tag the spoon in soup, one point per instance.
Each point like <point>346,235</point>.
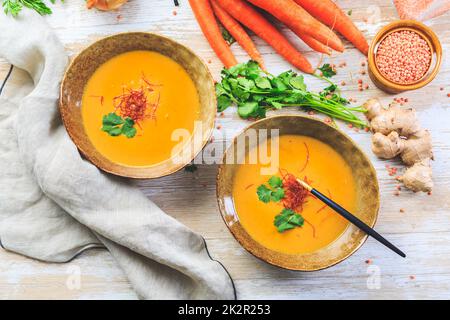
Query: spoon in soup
<point>350,217</point>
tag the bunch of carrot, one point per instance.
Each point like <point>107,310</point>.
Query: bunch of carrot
<point>310,20</point>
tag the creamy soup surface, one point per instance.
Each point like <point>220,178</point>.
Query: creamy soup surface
<point>174,93</point>
<point>326,171</point>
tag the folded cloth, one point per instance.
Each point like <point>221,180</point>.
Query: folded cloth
<point>54,204</point>
<point>421,9</point>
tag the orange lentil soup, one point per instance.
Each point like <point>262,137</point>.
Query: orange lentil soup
<point>173,103</point>
<point>325,170</point>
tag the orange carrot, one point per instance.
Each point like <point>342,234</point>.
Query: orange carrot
<point>313,43</point>
<point>295,17</point>
<point>208,23</point>
<point>329,13</point>
<point>253,20</point>
<point>238,32</point>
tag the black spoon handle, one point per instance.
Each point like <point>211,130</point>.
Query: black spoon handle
<point>350,217</point>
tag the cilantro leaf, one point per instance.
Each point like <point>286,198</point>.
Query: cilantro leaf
<point>115,125</point>
<point>247,109</point>
<point>263,83</point>
<point>275,182</point>
<point>327,70</point>
<point>287,220</point>
<point>112,119</point>
<point>128,128</point>
<point>277,195</point>
<point>264,193</point>
<point>298,83</point>
<point>223,102</point>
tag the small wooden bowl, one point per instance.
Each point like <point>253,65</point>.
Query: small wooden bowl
<point>85,64</point>
<point>366,187</point>
<point>427,34</point>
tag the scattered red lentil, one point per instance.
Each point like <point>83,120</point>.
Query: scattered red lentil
<point>441,88</point>
<point>396,193</point>
<point>448,95</point>
<point>343,83</point>
<point>174,13</point>
<point>368,261</point>
<point>402,210</point>
<point>219,127</point>
<point>403,57</point>
<point>366,129</point>
<point>412,277</point>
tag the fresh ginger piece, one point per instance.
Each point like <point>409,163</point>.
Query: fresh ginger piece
<point>397,132</point>
<point>387,147</point>
<point>418,177</point>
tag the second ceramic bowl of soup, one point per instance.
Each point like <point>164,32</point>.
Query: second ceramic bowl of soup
<point>311,150</point>
<point>134,102</point>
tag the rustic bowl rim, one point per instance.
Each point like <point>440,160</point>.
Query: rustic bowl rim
<point>423,30</point>
<point>364,238</point>
<point>100,164</point>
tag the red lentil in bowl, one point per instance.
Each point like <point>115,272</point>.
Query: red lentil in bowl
<point>404,55</point>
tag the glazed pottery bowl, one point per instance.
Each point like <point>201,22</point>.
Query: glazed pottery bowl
<point>366,190</point>
<point>86,63</point>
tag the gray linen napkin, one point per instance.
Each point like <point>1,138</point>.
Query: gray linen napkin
<point>54,204</point>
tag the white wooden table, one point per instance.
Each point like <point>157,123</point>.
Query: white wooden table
<point>422,231</point>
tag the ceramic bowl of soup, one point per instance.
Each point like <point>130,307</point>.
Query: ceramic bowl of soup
<point>284,229</point>
<point>138,104</point>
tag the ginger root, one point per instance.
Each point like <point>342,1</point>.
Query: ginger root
<point>105,5</point>
<point>397,132</point>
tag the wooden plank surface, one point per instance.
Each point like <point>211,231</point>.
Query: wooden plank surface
<point>422,231</point>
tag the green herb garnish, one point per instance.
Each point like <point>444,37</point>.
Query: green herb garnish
<point>287,220</point>
<point>13,7</point>
<point>349,12</point>
<point>273,192</point>
<point>115,125</point>
<point>255,91</point>
<point>327,70</point>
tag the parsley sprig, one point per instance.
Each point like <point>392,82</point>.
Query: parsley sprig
<point>255,91</point>
<point>14,7</point>
<point>115,125</point>
<point>287,219</point>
